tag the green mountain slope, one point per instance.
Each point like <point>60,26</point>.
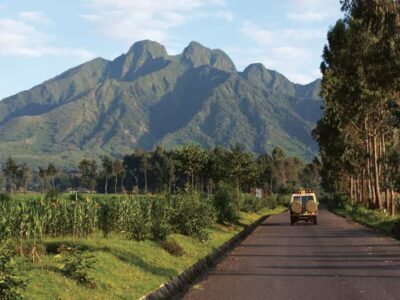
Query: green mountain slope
<point>146,97</point>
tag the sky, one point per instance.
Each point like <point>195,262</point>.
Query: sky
<point>40,39</point>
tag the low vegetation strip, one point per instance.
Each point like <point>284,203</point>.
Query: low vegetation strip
<point>380,221</point>
<point>122,247</point>
<point>124,268</point>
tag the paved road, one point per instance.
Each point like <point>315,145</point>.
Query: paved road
<point>333,260</point>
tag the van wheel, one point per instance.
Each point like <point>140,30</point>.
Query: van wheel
<point>292,221</point>
<point>315,220</point>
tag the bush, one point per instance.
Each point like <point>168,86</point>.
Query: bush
<point>173,248</point>
<point>160,227</point>
<point>139,221</point>
<point>191,215</point>
<point>225,204</point>
<point>11,285</point>
<point>77,265</point>
<point>250,203</point>
<point>283,200</point>
<point>341,199</point>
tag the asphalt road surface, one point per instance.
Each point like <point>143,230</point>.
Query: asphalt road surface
<point>335,259</point>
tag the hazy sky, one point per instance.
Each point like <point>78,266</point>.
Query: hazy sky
<point>42,38</point>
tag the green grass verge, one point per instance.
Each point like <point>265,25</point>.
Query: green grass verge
<point>124,269</point>
<point>370,218</point>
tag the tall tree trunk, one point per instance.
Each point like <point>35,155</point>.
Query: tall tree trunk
<point>145,181</point>
<point>369,184</point>
<point>363,187</point>
<point>238,196</point>
<point>385,172</point>
<point>115,184</point>
<point>352,190</point>
<point>378,201</point>
<point>106,185</point>
<point>392,201</point>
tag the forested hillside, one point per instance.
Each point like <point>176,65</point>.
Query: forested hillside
<point>147,97</point>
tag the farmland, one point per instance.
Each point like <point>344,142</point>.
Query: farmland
<point>126,239</point>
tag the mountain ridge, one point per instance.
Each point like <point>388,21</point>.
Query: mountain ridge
<point>146,97</point>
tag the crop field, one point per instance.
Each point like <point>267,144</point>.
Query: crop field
<point>112,246</point>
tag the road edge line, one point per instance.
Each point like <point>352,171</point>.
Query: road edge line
<point>180,283</point>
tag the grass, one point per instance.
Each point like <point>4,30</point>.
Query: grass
<point>370,218</point>
<point>124,269</point>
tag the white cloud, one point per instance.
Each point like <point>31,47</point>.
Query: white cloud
<point>34,17</point>
<point>21,37</point>
<point>308,16</point>
<point>136,20</point>
<point>287,50</point>
<point>306,11</point>
<point>268,36</point>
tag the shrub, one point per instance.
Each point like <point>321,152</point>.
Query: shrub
<point>250,203</point>
<point>191,214</point>
<point>160,227</point>
<point>281,199</point>
<point>139,220</point>
<point>225,204</point>
<point>173,248</point>
<point>11,285</point>
<point>77,265</point>
<point>340,200</point>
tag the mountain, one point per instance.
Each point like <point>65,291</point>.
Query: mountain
<point>147,97</point>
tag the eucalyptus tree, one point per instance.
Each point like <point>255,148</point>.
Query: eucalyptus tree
<point>93,174</point>
<point>361,78</point>
<point>144,167</point>
<point>191,158</point>
<point>24,175</point>
<point>10,172</point>
<point>85,173</point>
<point>43,176</point>
<point>241,170</point>
<point>162,169</point>
<point>52,172</point>
<point>107,171</point>
<point>118,171</point>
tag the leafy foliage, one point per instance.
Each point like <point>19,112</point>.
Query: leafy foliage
<point>358,133</point>
<point>11,285</point>
<point>225,204</point>
<point>77,265</point>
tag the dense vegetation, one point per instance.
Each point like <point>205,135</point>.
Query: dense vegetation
<point>146,98</point>
<point>55,229</point>
<point>169,171</point>
<point>155,195</point>
<point>359,132</point>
